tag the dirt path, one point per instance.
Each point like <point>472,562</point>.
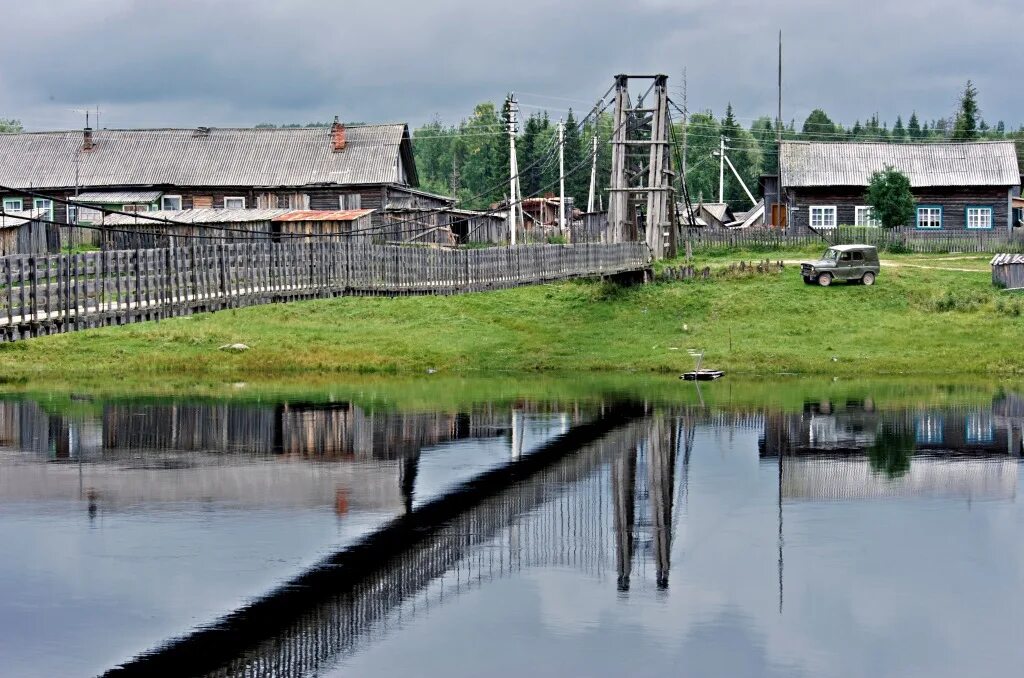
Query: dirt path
<point>904,264</point>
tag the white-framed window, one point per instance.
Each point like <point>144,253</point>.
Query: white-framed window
<point>72,214</point>
<point>350,202</point>
<point>13,204</point>
<point>928,429</point>
<point>234,203</point>
<point>135,208</point>
<point>979,428</point>
<point>88,215</point>
<point>823,216</point>
<point>979,217</point>
<point>929,217</point>
<point>170,202</point>
<point>44,204</point>
<point>864,215</point>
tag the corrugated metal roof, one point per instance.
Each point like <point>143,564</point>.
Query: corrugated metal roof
<point>196,216</point>
<point>17,218</point>
<point>322,215</point>
<point>222,157</point>
<point>118,197</point>
<point>985,163</point>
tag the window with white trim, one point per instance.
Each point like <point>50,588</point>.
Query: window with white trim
<point>928,429</point>
<point>88,215</point>
<point>822,216</point>
<point>929,217</point>
<point>864,215</point>
<point>979,217</point>
<point>170,202</point>
<point>44,204</point>
<point>72,214</point>
<point>13,205</point>
<point>234,203</point>
<point>135,208</point>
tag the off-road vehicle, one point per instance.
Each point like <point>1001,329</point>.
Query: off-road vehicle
<point>852,263</point>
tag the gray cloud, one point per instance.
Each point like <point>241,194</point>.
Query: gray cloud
<point>238,63</point>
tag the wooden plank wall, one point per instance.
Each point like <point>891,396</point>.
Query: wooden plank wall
<point>903,239</point>
<point>48,294</point>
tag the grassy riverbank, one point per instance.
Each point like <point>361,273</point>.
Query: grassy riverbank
<point>922,317</point>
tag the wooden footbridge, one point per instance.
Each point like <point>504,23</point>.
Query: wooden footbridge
<point>66,292</point>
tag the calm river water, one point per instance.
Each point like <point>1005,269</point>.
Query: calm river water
<point>738,530</point>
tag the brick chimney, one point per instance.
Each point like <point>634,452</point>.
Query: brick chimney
<point>337,136</point>
<point>87,142</point>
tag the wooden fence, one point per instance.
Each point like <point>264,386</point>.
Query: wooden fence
<point>898,240</point>
<point>48,294</point>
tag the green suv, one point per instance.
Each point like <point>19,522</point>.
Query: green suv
<point>853,263</point>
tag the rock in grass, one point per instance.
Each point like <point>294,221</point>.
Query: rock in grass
<point>234,348</point>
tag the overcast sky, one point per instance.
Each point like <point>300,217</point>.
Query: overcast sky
<point>242,62</point>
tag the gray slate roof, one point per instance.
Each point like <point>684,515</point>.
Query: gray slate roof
<point>118,197</point>
<point>221,157</point>
<point>1007,259</point>
<point>983,163</point>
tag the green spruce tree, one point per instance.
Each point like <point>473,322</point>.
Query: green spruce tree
<point>965,128</point>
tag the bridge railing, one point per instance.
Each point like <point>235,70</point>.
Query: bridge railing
<point>44,294</point>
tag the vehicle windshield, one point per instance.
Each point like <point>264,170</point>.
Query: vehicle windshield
<point>830,255</point>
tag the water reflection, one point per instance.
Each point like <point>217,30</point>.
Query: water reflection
<point>851,451</point>
<point>595,496</point>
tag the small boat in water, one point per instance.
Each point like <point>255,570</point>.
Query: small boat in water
<point>698,374</point>
<point>702,375</point>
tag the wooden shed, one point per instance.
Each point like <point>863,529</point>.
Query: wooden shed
<point>1008,271</point>
<point>20,234</point>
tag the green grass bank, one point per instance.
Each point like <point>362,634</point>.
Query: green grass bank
<point>927,315</point>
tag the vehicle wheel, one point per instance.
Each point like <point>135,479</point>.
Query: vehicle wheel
<point>825,279</point>
<point>868,279</point>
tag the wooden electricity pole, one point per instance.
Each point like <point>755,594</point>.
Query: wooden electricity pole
<point>593,176</point>
<point>515,195</point>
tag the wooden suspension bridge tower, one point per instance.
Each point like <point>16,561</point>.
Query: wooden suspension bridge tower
<point>641,201</point>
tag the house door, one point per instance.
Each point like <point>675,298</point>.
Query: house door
<point>779,215</point>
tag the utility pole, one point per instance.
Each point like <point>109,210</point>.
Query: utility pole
<point>778,135</point>
<point>593,176</point>
<point>721,169</point>
<point>514,202</point>
<point>456,181</point>
<point>561,177</point>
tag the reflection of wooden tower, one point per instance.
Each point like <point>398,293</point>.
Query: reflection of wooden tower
<point>640,195</point>
<point>643,482</point>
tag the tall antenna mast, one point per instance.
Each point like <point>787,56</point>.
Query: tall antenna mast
<point>686,125</point>
<point>778,135</point>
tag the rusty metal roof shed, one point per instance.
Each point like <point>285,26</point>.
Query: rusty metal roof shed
<point>824,164</point>
<point>322,215</point>
<point>259,157</point>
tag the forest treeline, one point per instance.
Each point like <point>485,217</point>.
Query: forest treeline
<point>471,159</point>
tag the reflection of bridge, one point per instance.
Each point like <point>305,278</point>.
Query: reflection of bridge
<point>547,508</point>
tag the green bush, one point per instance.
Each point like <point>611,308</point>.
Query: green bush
<point>960,301</point>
